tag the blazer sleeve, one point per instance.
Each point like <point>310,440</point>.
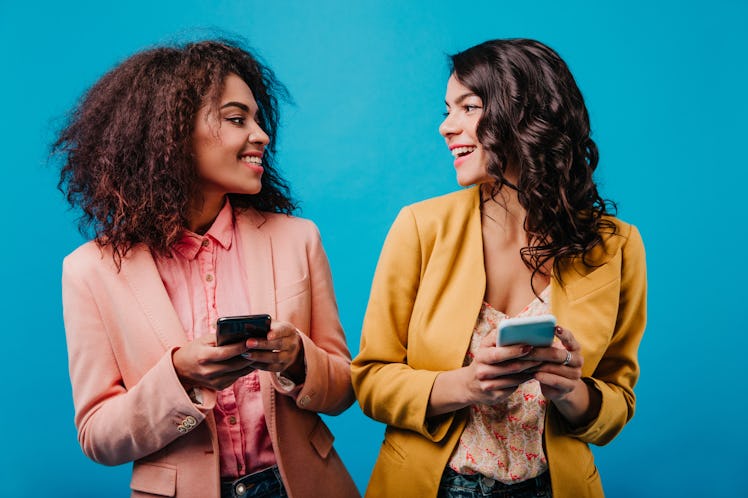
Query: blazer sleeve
<point>388,389</point>
<point>327,387</point>
<point>118,424</point>
<point>618,369</point>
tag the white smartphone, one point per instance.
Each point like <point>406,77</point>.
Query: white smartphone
<point>533,330</point>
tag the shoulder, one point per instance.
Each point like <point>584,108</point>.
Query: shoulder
<point>624,234</point>
<point>441,214</point>
<point>618,237</point>
<point>86,257</point>
<point>449,221</point>
<point>460,202</point>
<point>96,261</point>
<point>278,224</point>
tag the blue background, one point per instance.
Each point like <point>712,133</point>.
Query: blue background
<point>666,88</point>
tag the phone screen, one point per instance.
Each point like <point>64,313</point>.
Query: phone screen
<point>231,329</point>
<point>535,331</point>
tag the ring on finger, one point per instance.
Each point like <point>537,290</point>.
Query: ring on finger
<point>568,358</point>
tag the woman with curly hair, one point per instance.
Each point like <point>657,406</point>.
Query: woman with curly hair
<point>532,236</point>
<point>170,156</point>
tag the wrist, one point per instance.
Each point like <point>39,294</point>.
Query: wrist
<point>580,405</point>
<point>187,383</point>
<point>296,371</point>
<point>466,386</point>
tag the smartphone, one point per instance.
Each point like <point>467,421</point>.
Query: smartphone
<point>232,329</point>
<point>532,330</point>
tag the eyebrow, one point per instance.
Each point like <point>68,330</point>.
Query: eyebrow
<point>241,106</point>
<point>461,98</point>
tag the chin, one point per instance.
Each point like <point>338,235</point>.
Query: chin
<point>251,190</point>
<point>464,181</point>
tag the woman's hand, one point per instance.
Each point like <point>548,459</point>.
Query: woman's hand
<point>203,364</point>
<point>496,371</point>
<point>281,351</point>
<point>560,377</point>
<point>494,374</point>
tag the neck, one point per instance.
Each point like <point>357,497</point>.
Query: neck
<point>204,213</point>
<point>503,207</point>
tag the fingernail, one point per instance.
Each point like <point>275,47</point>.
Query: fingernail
<point>526,349</point>
<point>558,330</point>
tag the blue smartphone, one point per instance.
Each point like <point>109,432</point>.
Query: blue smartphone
<point>533,330</point>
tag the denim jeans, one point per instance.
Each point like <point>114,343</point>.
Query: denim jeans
<point>263,484</point>
<point>454,485</point>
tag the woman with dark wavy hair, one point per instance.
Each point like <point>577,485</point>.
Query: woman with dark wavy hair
<point>532,236</point>
<point>170,158</point>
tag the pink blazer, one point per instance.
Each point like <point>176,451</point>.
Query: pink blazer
<point>129,405</point>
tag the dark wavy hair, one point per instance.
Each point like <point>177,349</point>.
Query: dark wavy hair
<point>535,121</point>
<point>127,146</point>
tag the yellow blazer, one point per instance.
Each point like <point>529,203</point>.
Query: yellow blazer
<point>426,295</point>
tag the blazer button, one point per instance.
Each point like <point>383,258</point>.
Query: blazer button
<point>305,400</point>
<point>190,421</point>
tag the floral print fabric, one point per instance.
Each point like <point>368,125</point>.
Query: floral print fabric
<point>504,441</point>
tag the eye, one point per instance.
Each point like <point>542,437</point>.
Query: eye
<point>470,108</point>
<point>237,120</point>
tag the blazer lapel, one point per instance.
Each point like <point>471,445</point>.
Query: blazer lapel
<point>257,247</point>
<point>141,273</point>
<point>586,302</point>
<point>258,257</point>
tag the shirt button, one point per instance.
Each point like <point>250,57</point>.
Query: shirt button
<point>232,420</point>
<point>209,277</point>
<point>205,243</point>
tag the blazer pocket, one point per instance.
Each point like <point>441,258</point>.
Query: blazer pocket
<point>287,291</point>
<point>321,439</point>
<point>158,479</point>
<point>392,451</point>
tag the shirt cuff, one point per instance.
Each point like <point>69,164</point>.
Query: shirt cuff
<point>285,384</point>
<point>196,395</point>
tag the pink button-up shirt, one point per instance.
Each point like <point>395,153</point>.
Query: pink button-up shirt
<point>206,278</point>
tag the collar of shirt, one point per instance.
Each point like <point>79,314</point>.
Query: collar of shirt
<point>221,231</point>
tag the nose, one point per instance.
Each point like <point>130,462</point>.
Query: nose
<point>257,135</point>
<point>449,126</point>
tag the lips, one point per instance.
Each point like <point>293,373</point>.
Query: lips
<point>253,159</point>
<point>462,150</point>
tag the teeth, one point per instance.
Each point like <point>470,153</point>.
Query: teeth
<point>461,151</point>
<point>252,159</point>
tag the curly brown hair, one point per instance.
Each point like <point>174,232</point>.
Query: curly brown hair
<point>127,153</point>
<point>534,119</point>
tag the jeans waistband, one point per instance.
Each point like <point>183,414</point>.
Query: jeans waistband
<point>483,484</point>
<point>249,485</point>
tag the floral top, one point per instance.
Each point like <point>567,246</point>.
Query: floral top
<point>504,441</point>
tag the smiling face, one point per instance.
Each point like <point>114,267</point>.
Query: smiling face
<point>228,144</point>
<point>459,129</point>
